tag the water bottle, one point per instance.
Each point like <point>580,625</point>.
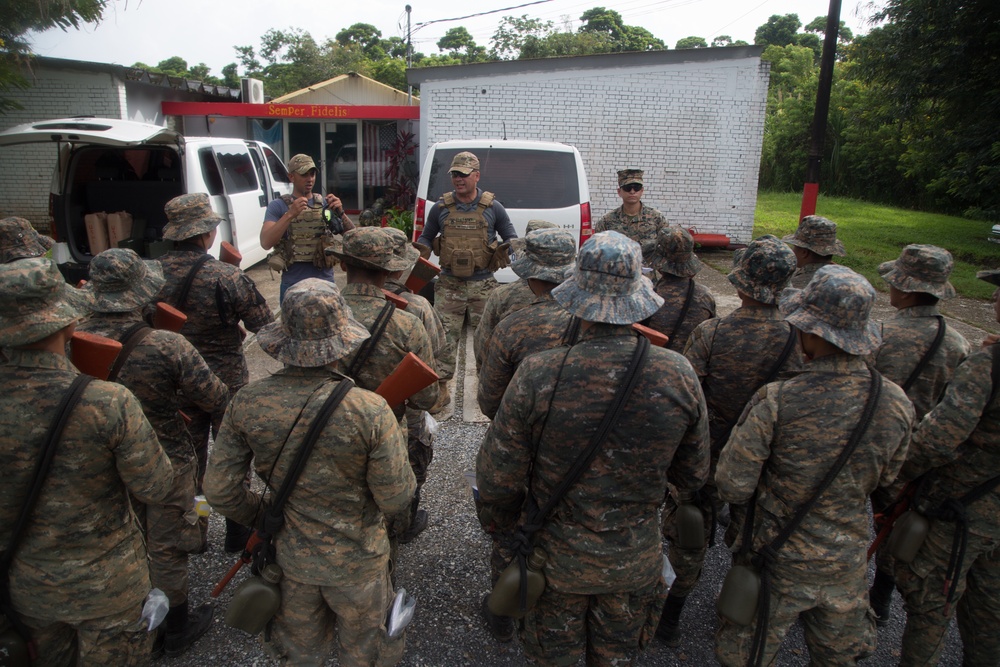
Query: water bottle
<point>739,595</point>
<point>908,535</point>
<point>255,601</point>
<point>690,527</point>
<point>505,600</point>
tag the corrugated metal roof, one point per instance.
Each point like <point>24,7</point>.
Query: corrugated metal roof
<point>351,88</point>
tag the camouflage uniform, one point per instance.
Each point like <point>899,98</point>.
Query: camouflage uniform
<point>333,547</point>
<point>159,369</point>
<point>819,235</point>
<point>956,442</point>
<point>79,577</point>
<point>674,258</point>
<point>604,583</point>
<point>642,227</point>
<point>786,442</point>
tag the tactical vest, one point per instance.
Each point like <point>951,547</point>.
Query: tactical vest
<point>463,245</point>
<point>307,237</point>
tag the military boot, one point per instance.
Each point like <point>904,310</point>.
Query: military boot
<point>184,629</point>
<point>880,597</point>
<point>669,629</point>
<point>418,521</point>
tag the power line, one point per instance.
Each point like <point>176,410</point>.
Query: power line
<point>470,16</point>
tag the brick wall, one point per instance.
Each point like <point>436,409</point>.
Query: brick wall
<point>695,127</point>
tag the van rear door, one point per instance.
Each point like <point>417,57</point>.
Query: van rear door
<point>99,131</point>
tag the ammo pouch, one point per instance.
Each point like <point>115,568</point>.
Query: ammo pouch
<point>321,258</point>
<point>276,261</point>
<point>462,262</point>
<point>740,594</point>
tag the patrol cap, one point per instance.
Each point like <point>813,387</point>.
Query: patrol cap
<point>36,302</point>
<point>18,239</point>
<point>607,284</point>
<point>674,253</point>
<point>992,276</point>
<point>122,282</point>
<point>371,248</point>
<point>402,248</point>
<point>763,268</point>
<point>189,216</point>
<point>920,268</point>
<point>818,234</point>
<point>301,164</point>
<point>835,306</point>
<point>517,244</point>
<point>316,327</point>
<point>465,162</point>
<point>548,255</point>
<point>627,176</point>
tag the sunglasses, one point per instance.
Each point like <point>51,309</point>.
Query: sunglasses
<point>632,187</point>
<point>458,174</point>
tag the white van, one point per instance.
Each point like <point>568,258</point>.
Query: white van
<point>110,165</point>
<point>534,180</point>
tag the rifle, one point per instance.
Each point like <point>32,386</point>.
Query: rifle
<point>169,318</point>
<point>886,519</point>
<point>92,354</point>
<point>422,273</point>
<point>230,255</point>
<point>245,558</point>
<point>655,337</point>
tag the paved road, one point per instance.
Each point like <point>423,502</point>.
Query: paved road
<point>447,566</point>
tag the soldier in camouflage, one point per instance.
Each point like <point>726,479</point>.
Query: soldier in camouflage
<point>732,356</point>
<point>686,304</point>
<point>78,576</point>
<point>634,219</point>
<point>604,573</point>
<point>18,240</point>
<point>505,299</point>
<point>917,280</point>
<point>368,258</point>
<point>814,243</point>
<point>956,443</point>
<point>787,440</point>
<point>220,296</point>
<point>333,547</point>
<point>159,368</point>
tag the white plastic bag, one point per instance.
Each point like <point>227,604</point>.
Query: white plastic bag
<point>156,608</point>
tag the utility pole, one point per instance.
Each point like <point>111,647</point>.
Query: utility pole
<point>409,54</point>
<point>818,131</point>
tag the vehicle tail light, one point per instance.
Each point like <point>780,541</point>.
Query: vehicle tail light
<point>418,218</point>
<point>52,218</point>
<point>586,229</point>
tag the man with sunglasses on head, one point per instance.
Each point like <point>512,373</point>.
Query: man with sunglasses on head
<point>462,228</point>
<point>299,225</point>
<point>634,219</point>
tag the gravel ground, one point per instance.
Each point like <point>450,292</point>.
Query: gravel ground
<point>446,568</point>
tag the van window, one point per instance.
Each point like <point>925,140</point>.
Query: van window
<point>210,171</point>
<point>278,173</point>
<point>238,174</point>
<point>258,166</point>
<point>520,178</point>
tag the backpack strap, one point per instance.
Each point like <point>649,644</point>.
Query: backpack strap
<point>129,340</point>
<point>924,360</point>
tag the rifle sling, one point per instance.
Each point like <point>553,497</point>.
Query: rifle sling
<point>129,340</point>
<point>684,309</point>
<point>377,330</point>
<point>924,360</point>
<point>182,295</point>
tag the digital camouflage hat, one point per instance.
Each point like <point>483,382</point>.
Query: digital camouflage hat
<point>835,306</point>
<point>371,248</point>
<point>18,239</point>
<point>818,234</point>
<point>301,164</point>
<point>517,244</point>
<point>36,302</point>
<point>316,327</point>
<point>122,282</point>
<point>607,284</point>
<point>920,268</point>
<point>465,162</point>
<point>674,253</point>
<point>189,216</point>
<point>626,176</point>
<point>763,269</point>
<point>402,248</point>
<point>547,255</point>
<point>991,276</point>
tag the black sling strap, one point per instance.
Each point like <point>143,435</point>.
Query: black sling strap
<point>182,295</point>
<point>924,360</point>
<point>684,310</point>
<point>42,467</point>
<point>377,330</point>
<point>129,340</point>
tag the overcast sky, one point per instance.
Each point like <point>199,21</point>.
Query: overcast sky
<point>152,30</point>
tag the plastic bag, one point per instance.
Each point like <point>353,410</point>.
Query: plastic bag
<point>400,613</point>
<point>669,575</point>
<point>155,610</point>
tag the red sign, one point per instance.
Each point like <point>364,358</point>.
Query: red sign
<point>291,111</point>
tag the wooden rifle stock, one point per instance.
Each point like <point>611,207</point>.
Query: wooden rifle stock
<point>655,337</point>
<point>395,299</point>
<point>230,255</point>
<point>245,558</point>
<point>169,318</point>
<point>93,354</point>
<point>409,377</point>
<point>422,273</point>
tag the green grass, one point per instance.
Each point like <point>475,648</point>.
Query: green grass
<point>873,233</point>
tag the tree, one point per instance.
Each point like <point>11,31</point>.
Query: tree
<point>818,25</point>
<point>364,36</point>
<point>722,40</point>
<point>174,66</point>
<point>512,32</point>
<point>692,43</point>
<point>23,16</point>
<point>620,37</point>
<point>779,30</point>
<point>461,45</point>
<point>231,76</point>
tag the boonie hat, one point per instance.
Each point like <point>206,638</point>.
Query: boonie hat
<point>835,306</point>
<point>517,244</point>
<point>371,248</point>
<point>121,281</point>
<point>465,162</point>
<point>36,302</point>
<point>991,276</point>
<point>674,253</point>
<point>316,327</point>
<point>818,234</point>
<point>626,176</point>
<point>607,284</point>
<point>763,269</point>
<point>402,248</point>
<point>548,255</point>
<point>189,216</point>
<point>920,268</point>
<point>301,164</point>
<point>18,239</point>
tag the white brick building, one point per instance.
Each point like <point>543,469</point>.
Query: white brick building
<point>693,119</point>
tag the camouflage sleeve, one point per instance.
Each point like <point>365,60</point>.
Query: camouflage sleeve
<point>937,438</point>
<point>141,462</point>
<point>251,307</point>
<point>487,323</point>
<point>494,377</point>
<point>749,447</point>
<point>390,477</point>
<point>602,224</point>
<point>227,468</point>
<point>195,379</point>
<point>698,348</point>
<point>689,470</point>
<point>421,346</point>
